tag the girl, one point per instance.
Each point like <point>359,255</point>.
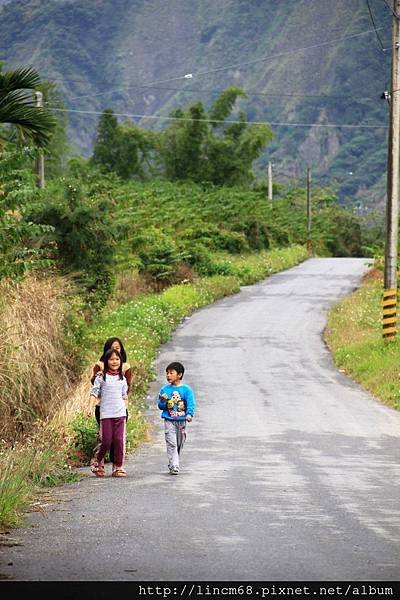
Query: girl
<point>113,388</point>
<point>116,344</point>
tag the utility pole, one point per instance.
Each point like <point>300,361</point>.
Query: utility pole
<point>393,166</point>
<point>309,208</point>
<point>270,181</point>
<point>40,157</point>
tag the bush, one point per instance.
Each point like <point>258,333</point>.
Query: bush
<point>21,248</point>
<point>84,430</point>
<point>256,233</point>
<point>159,254</point>
<point>217,238</point>
<point>84,237</point>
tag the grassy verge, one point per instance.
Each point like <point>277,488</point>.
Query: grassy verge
<point>354,335</point>
<point>143,324</point>
<point>27,471</point>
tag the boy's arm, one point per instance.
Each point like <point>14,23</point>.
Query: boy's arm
<point>162,400</point>
<point>190,404</point>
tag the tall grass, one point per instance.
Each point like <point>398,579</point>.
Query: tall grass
<point>35,366</point>
<point>28,467</point>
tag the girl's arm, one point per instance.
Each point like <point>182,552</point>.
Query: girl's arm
<point>92,403</point>
<point>95,392</point>
<point>128,376</point>
<point>96,369</point>
<point>125,393</point>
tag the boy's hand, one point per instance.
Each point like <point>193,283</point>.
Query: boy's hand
<point>189,418</point>
<point>164,396</point>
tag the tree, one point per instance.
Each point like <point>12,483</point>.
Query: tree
<point>123,148</point>
<point>17,105</point>
<point>204,146</point>
<point>182,144</point>
<point>105,151</point>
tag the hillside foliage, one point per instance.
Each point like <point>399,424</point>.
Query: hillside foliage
<point>307,64</point>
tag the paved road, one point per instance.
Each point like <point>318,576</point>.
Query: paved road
<point>290,472</point>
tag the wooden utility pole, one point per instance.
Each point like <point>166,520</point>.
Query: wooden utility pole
<point>393,166</point>
<point>40,157</point>
<point>309,208</point>
<point>270,181</point>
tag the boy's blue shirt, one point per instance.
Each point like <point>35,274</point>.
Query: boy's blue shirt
<point>177,393</point>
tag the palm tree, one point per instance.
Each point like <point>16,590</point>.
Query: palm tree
<point>17,105</point>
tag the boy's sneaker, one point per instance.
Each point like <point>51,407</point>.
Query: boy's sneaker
<point>174,470</point>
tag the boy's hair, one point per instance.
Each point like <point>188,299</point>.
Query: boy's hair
<point>176,366</point>
<point>107,345</point>
<point>107,356</point>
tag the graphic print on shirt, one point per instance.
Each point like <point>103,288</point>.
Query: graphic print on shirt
<point>175,405</point>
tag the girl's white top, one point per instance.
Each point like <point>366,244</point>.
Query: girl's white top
<point>113,392</point>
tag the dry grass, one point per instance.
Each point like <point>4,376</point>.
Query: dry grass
<point>131,284</point>
<point>128,286</point>
<point>35,373</point>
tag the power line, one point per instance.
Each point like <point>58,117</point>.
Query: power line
<point>136,116</point>
<point>374,26</point>
<point>391,9</point>
<point>253,93</point>
<point>213,91</point>
<point>235,66</point>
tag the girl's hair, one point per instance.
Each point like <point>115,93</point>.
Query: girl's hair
<point>107,345</point>
<point>107,356</point>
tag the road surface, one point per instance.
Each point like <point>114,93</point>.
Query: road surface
<point>290,471</point>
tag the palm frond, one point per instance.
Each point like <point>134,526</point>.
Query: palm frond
<point>17,105</point>
<point>18,79</point>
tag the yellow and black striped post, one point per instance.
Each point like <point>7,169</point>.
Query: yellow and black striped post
<point>389,314</point>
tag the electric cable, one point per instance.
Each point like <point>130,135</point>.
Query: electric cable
<point>247,92</point>
<point>234,66</point>
<point>374,26</point>
<point>226,122</point>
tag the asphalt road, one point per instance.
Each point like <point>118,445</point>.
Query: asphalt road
<point>290,471</point>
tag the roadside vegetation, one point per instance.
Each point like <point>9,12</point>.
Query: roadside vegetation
<point>127,243</point>
<point>354,335</point>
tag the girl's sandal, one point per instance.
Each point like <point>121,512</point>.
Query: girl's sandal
<point>98,471</point>
<point>119,472</point>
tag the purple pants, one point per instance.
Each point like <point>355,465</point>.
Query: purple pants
<point>112,431</point>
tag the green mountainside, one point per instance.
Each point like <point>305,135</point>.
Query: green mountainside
<point>289,56</point>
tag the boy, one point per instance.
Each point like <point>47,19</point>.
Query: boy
<point>177,402</point>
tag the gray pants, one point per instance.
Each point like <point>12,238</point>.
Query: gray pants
<point>175,436</point>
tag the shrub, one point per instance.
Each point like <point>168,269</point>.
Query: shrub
<point>21,248</point>
<point>84,430</point>
<point>217,238</point>
<point>84,237</point>
<point>159,254</point>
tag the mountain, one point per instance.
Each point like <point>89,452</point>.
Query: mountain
<point>301,62</point>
